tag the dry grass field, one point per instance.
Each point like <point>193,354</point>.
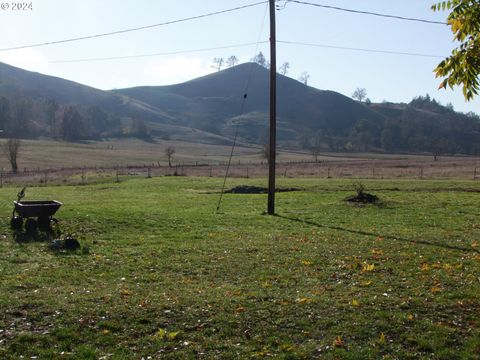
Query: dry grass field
<point>46,161</point>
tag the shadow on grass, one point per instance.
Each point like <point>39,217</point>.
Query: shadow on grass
<point>390,237</point>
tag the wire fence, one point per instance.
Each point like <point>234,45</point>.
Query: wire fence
<point>325,169</point>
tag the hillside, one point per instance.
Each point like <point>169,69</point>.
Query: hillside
<point>210,109</point>
<point>214,103</point>
<point>32,85</point>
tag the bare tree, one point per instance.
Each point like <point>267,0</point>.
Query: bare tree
<point>11,148</point>
<point>218,63</point>
<point>260,59</point>
<point>169,151</point>
<point>316,146</point>
<point>304,77</point>
<point>232,61</point>
<point>359,94</point>
<point>284,68</point>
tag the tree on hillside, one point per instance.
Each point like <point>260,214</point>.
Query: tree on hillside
<point>169,151</point>
<point>72,126</point>
<point>4,113</point>
<point>304,77</point>
<point>462,67</point>
<point>97,121</point>
<point>260,59</point>
<point>359,94</point>
<point>284,68</point>
<point>139,129</point>
<point>218,63</point>
<point>232,61</point>
<point>21,113</point>
<point>317,145</point>
<point>51,108</point>
<point>10,149</point>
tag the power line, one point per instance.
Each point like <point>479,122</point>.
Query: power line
<point>287,42</point>
<point>145,55</point>
<point>368,12</point>
<point>136,28</point>
<point>360,49</point>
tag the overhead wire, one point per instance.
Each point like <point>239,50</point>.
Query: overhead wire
<point>367,12</point>
<point>359,49</point>
<point>242,108</point>
<point>135,28</point>
<point>146,55</point>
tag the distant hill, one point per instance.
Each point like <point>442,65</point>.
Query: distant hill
<point>213,102</point>
<point>210,109</point>
<point>15,82</point>
<point>311,118</point>
<point>34,93</point>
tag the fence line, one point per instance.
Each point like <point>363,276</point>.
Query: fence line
<point>326,169</point>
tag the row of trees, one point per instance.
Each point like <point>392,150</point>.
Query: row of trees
<point>26,118</point>
<point>218,63</point>
<point>438,131</point>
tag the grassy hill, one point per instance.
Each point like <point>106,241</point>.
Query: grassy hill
<point>15,82</point>
<point>214,102</point>
<point>211,109</point>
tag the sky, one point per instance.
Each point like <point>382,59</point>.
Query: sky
<point>185,50</point>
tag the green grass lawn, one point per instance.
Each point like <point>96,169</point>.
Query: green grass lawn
<point>162,274</point>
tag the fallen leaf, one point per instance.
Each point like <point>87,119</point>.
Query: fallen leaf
<point>424,267</point>
<point>304,300</point>
<point>381,338</point>
<point>240,309</point>
<point>161,333</point>
<point>354,303</point>
<point>173,335</point>
<point>368,267</point>
<point>338,342</point>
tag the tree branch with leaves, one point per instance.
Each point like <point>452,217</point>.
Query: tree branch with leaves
<point>462,67</point>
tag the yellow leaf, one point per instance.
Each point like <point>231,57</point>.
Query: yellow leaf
<point>435,289</point>
<point>306,262</point>
<point>368,267</point>
<point>377,252</point>
<point>338,342</point>
<point>106,332</point>
<point>354,303</point>
<point>126,292</point>
<point>161,333</point>
<point>424,267</point>
<point>304,300</point>
<point>381,338</point>
<point>366,283</point>
<point>173,335</point>
<point>288,347</point>
<point>410,317</point>
<point>240,309</point>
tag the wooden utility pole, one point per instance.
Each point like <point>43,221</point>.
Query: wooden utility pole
<point>273,112</point>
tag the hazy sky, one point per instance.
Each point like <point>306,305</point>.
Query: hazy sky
<point>389,77</point>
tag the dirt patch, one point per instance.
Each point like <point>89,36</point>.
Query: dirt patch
<point>364,198</point>
<point>246,189</point>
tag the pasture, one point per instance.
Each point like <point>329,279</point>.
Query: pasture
<point>161,274</point>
